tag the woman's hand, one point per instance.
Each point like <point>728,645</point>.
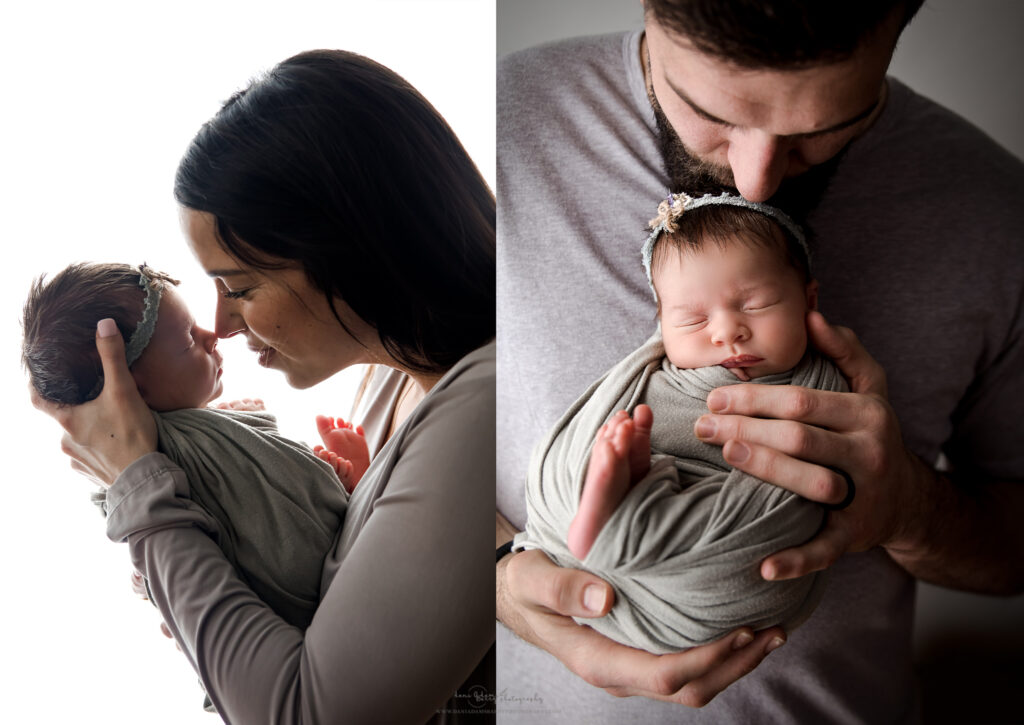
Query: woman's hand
<point>537,599</point>
<point>106,435</point>
<point>797,438</point>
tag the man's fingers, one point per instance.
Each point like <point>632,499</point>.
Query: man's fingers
<point>811,481</point>
<point>816,555</point>
<point>823,408</point>
<point>699,691</point>
<point>691,678</point>
<point>533,579</point>
<point>841,344</point>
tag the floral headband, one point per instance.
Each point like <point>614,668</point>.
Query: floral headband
<point>670,209</point>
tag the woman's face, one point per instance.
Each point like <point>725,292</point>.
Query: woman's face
<point>286,321</point>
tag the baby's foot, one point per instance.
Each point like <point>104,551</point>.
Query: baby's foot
<point>344,448</point>
<point>640,446</point>
<point>621,456</point>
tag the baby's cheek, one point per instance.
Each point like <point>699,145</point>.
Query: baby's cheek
<point>677,349</point>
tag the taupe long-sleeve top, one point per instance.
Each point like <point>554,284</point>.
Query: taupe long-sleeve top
<point>406,609</point>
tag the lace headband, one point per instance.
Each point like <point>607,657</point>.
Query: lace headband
<point>673,207</point>
<point>144,330</point>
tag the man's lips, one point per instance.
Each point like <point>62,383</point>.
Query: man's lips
<point>740,361</point>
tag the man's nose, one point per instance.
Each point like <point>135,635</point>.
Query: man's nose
<point>227,322</point>
<point>759,163</point>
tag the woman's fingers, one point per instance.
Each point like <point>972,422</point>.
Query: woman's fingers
<point>110,345</point>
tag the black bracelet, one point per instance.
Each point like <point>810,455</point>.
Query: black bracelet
<point>503,550</point>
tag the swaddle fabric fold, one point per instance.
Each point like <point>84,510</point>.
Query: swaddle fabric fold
<point>683,550</point>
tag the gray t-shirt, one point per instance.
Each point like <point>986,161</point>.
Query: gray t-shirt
<point>917,246</point>
<point>407,589</point>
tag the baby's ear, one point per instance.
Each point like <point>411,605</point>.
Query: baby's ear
<point>812,294</point>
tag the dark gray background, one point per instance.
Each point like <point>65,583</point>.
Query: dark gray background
<point>968,56</point>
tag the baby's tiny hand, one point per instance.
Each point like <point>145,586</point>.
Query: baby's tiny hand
<point>344,448</point>
<point>250,405</point>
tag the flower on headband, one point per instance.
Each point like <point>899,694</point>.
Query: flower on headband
<point>669,210</point>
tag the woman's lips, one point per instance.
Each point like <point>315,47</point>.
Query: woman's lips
<point>740,361</point>
<point>266,354</point>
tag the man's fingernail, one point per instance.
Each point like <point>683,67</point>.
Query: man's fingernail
<point>718,400</point>
<point>774,644</point>
<point>705,427</point>
<point>769,571</point>
<point>742,640</point>
<point>594,598</point>
<point>738,453</point>
<point>106,327</point>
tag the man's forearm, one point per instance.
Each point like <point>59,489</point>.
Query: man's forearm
<point>965,536</point>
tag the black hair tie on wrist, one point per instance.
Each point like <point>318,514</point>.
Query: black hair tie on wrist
<point>503,551</point>
<point>851,491</point>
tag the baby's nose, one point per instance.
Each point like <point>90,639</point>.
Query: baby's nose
<point>729,331</point>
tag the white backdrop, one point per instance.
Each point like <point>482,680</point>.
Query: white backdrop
<point>99,101</point>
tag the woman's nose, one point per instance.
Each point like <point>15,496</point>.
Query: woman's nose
<point>759,163</point>
<point>227,322</point>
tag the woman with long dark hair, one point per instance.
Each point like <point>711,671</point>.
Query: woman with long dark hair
<point>342,223</point>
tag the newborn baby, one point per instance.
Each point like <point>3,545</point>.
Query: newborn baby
<point>278,505</point>
<point>684,548</point>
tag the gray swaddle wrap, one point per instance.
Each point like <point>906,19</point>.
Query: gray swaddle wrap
<point>683,550</point>
<point>278,507</point>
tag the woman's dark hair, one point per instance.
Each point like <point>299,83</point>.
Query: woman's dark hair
<point>779,34</point>
<point>336,164</point>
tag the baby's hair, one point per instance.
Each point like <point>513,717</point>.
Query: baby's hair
<point>723,225</point>
<point>59,325</point>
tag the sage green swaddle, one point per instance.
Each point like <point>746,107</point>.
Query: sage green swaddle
<point>278,507</point>
<point>683,550</point>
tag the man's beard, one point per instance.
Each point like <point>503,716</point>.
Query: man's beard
<point>798,196</point>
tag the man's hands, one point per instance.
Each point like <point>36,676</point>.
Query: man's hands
<point>106,435</point>
<point>537,599</point>
<point>789,436</point>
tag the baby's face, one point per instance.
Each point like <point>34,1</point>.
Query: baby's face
<point>742,307</point>
<point>180,368</point>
